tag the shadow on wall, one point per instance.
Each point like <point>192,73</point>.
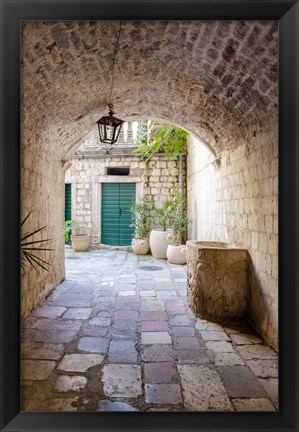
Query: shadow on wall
<point>192,225</point>
<point>260,310</point>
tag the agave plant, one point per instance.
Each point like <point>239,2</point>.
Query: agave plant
<point>30,247</point>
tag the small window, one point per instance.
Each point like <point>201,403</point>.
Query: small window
<point>118,171</point>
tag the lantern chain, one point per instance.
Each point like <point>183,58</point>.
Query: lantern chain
<point>110,105</point>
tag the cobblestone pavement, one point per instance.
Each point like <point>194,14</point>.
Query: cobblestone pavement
<point>117,335</point>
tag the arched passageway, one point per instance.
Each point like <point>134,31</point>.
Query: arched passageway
<point>216,79</point>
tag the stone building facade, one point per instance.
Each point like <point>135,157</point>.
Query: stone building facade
<point>155,178</point>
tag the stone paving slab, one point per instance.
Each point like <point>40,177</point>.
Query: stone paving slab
<point>158,352</point>
<point>163,394</point>
<point>122,351</point>
<point>126,315</point>
<point>228,359</point>
<point>183,331</point>
<point>203,389</point>
<point>108,406</point>
<point>48,336</point>
<point>250,352</point>
<point>219,346</point>
<point>72,301</point>
<point>93,330</point>
<point>154,326</point>
<point>100,322</point>
<point>37,350</point>
<point>80,362</point>
<point>59,404</point>
<point>36,369</point>
<point>122,380</point>
<point>116,337</point>
<point>240,382</point>
<point>251,405</point>
<point>180,320</point>
<point>49,311</point>
<point>152,306</point>
<point>160,372</point>
<point>55,324</point>
<point>264,368</point>
<point>214,335</point>
<point>78,313</point>
<point>93,344</point>
<point>196,356</point>
<point>187,342</point>
<point>149,338</point>
<point>245,339</point>
<point>271,387</point>
<point>67,383</point>
<point>153,316</point>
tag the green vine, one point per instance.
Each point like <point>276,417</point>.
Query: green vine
<point>170,140</point>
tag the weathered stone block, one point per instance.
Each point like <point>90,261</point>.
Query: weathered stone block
<point>218,284</point>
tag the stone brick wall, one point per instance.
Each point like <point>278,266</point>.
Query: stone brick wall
<point>237,202</point>
<point>156,179</point>
<point>221,72</point>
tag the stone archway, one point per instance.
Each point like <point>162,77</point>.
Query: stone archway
<point>217,79</point>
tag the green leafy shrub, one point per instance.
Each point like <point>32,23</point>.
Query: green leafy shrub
<point>141,214</point>
<point>180,220</point>
<point>162,215</point>
<point>70,226</point>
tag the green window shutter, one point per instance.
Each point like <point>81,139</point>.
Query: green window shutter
<point>110,214</point>
<point>68,202</point>
<point>116,217</point>
<point>127,194</point>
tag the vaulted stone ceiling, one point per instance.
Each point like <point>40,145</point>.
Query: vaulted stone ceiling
<point>218,79</point>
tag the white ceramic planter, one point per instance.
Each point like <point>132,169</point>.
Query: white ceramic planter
<point>80,243</point>
<point>159,241</point>
<point>140,246</point>
<point>176,254</point>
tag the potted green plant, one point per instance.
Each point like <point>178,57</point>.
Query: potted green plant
<point>159,237</point>
<point>79,235</point>
<point>176,252</point>
<point>141,212</point>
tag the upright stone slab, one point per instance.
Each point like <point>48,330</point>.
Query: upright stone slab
<point>218,282</point>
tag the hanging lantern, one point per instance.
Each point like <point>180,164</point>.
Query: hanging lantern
<point>109,127</point>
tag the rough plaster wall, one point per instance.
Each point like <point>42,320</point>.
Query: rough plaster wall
<point>237,202</point>
<point>42,184</point>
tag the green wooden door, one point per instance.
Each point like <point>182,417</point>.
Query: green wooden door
<point>68,202</point>
<point>116,216</point>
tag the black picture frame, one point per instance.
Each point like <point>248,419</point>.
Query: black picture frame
<point>12,12</point>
